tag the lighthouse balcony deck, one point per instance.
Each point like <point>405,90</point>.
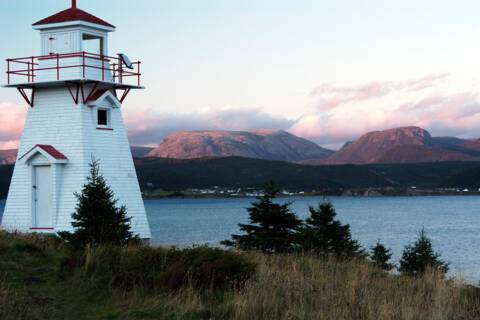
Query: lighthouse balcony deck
<point>31,72</point>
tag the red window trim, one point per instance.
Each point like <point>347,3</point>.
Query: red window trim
<point>42,228</point>
<point>105,129</point>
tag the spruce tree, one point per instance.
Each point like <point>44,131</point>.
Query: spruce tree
<point>97,219</point>
<point>272,229</point>
<point>420,256</point>
<point>323,234</point>
<point>381,256</point>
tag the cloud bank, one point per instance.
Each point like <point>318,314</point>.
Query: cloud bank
<point>12,119</point>
<point>344,113</point>
<point>149,128</point>
<point>438,102</point>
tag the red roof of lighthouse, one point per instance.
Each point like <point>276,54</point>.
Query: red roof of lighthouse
<point>57,155</point>
<point>52,151</point>
<point>73,14</point>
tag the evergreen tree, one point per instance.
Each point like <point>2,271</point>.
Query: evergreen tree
<point>272,229</point>
<point>381,256</point>
<point>419,256</point>
<point>97,219</point>
<point>324,235</point>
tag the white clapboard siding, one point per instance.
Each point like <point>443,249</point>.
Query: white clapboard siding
<point>56,120</point>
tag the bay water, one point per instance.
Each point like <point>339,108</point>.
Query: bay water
<point>452,222</point>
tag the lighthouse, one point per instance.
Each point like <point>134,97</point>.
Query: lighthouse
<point>74,90</point>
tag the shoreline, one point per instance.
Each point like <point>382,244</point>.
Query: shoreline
<point>367,193</point>
<point>352,193</point>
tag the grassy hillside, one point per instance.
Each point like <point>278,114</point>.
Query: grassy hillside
<point>38,280</point>
<point>234,172</point>
<point>242,172</point>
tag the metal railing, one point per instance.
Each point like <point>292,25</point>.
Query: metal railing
<point>29,68</point>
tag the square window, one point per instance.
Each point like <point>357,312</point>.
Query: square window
<point>102,117</point>
<point>92,44</point>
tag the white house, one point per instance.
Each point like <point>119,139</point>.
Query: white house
<point>75,91</point>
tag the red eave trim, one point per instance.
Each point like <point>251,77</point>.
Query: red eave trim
<point>42,228</point>
<point>48,149</point>
<point>52,151</point>
<point>73,14</point>
<point>97,94</point>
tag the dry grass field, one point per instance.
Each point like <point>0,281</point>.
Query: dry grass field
<point>34,284</point>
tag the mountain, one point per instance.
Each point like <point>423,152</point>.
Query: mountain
<point>402,145</point>
<point>8,156</point>
<point>262,144</point>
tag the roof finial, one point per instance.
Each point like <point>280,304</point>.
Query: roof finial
<point>74,4</point>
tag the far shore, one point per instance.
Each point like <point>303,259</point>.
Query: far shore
<point>368,192</point>
<point>354,193</point>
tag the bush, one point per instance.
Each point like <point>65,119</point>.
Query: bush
<point>418,257</point>
<point>147,268</point>
<point>273,227</point>
<point>324,235</point>
<point>380,256</point>
<point>97,219</point>
<point>207,268</point>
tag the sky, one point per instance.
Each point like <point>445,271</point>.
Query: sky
<point>327,71</point>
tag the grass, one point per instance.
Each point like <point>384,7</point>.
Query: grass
<point>39,279</point>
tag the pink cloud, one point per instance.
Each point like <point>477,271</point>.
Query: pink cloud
<point>331,97</point>
<point>12,118</point>
<point>149,127</point>
<point>449,114</point>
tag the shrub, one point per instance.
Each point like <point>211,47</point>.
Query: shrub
<point>148,268</point>
<point>97,219</point>
<point>380,256</point>
<point>273,227</point>
<point>324,235</point>
<point>207,268</point>
<point>419,257</point>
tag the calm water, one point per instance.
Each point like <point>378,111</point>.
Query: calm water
<point>452,222</point>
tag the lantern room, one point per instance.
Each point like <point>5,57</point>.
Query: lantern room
<point>73,30</point>
<point>74,48</point>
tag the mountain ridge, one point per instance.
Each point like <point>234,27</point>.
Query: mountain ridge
<point>397,145</point>
<point>260,144</point>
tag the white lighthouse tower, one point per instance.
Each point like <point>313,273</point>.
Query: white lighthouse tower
<point>74,91</point>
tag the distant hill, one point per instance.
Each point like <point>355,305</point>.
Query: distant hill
<point>176,174</point>
<point>402,145</point>
<point>235,172</point>
<point>8,156</point>
<point>140,152</point>
<point>263,144</point>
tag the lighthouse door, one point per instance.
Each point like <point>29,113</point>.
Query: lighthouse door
<point>42,187</point>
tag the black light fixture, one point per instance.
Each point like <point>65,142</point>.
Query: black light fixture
<point>126,61</point>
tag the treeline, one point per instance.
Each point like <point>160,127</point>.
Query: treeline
<point>234,172</point>
<point>274,228</point>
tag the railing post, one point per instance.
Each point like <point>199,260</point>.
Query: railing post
<point>103,67</point>
<point>58,66</point>
<point>33,69</point>
<point>120,70</point>
<point>139,74</point>
<point>83,63</point>
<point>28,71</point>
<point>8,71</point>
